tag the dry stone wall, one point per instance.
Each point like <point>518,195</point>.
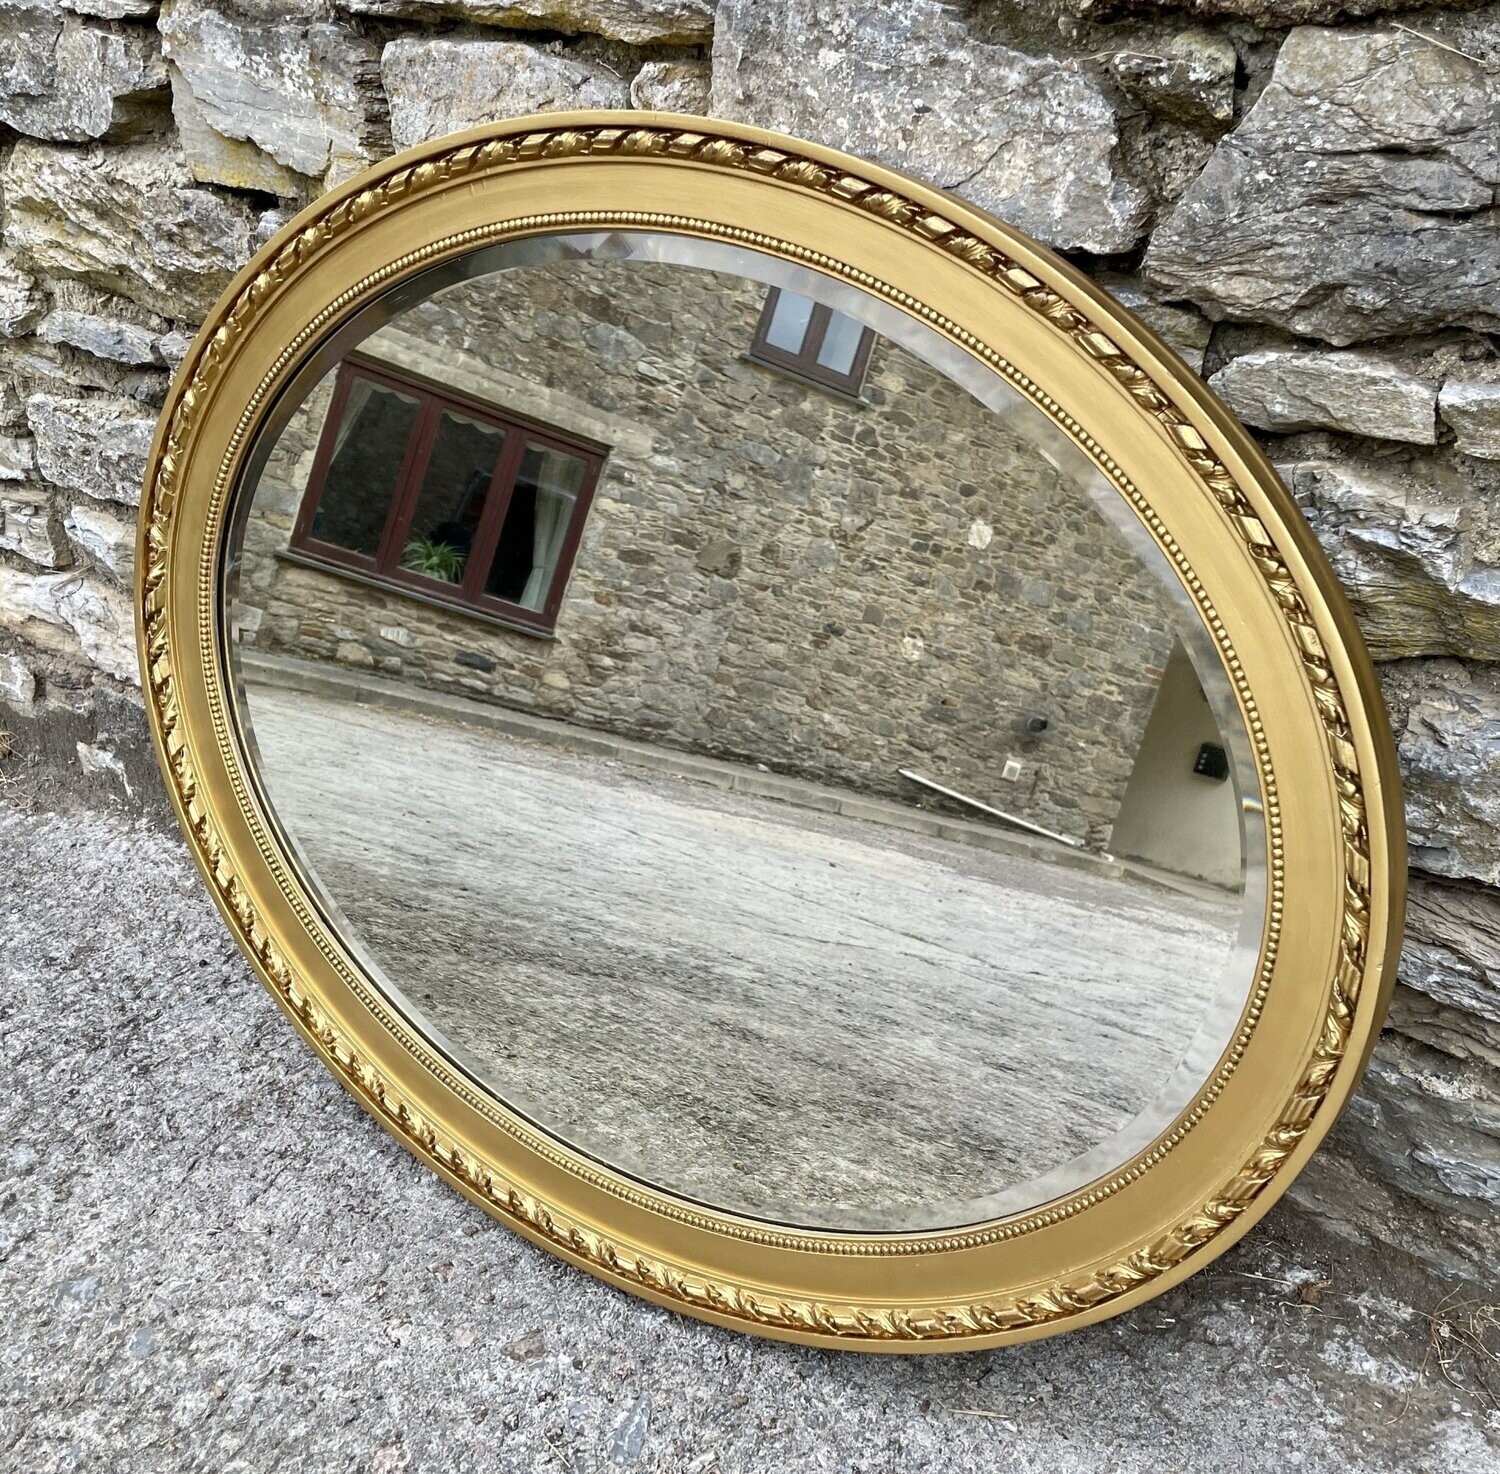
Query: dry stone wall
<point>1309,185</point>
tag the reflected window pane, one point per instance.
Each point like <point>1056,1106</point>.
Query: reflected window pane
<point>455,487</point>
<point>368,450</point>
<point>825,346</point>
<point>789,319</point>
<point>536,522</point>
<point>840,344</point>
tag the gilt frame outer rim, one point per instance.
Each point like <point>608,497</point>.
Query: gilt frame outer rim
<point>1064,300</point>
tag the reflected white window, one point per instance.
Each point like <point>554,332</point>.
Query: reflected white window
<point>841,344</point>
<point>789,319</point>
<point>812,340</point>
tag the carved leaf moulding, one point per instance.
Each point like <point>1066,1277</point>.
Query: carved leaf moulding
<point>671,1282</point>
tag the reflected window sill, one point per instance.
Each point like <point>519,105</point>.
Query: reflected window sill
<point>402,591</point>
<point>857,400</point>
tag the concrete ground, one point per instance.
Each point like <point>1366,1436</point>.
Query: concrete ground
<point>212,1262</point>
<point>782,1011</point>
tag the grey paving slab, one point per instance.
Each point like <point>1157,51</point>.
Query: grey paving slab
<point>212,1262</point>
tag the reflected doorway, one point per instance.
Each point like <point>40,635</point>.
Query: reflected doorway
<point>1180,812</point>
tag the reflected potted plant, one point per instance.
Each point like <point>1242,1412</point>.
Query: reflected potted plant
<point>434,559</point>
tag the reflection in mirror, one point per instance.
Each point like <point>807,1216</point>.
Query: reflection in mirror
<point>748,737</point>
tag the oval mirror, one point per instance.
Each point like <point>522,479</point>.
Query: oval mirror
<point>781,742</point>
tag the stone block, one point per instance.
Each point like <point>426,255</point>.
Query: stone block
<point>96,446</point>
<point>22,300</point>
<point>1355,200</point>
<point>104,337</point>
<point>1433,1124</point>
<point>1188,77</point>
<point>303,93</point>
<point>28,528</point>
<point>1452,947</point>
<point>671,87</point>
<point>232,162</point>
<point>12,408</point>
<point>102,538</point>
<point>1470,407</point>
<point>172,348</point>
<point>60,370</point>
<point>1268,14</point>
<point>64,79</point>
<point>1358,392</point>
<point>17,683</point>
<point>113,9</point>
<point>1032,138</point>
<point>126,219</point>
<point>439,86</point>
<point>1446,716</point>
<point>17,458</point>
<point>72,613</point>
<point>351,652</point>
<point>1414,547</point>
<point>638,22</point>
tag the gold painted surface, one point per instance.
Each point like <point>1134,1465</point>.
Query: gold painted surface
<point>1306,691</point>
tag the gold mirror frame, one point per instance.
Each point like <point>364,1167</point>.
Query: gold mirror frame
<point>1304,682</point>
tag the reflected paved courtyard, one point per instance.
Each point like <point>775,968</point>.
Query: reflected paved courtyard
<point>787,1012</point>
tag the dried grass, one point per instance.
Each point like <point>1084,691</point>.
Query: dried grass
<point>1463,1340</point>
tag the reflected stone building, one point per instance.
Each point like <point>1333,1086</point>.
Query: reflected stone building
<point>668,504</point>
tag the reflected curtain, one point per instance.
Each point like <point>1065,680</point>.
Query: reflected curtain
<point>546,538</point>
<point>360,391</point>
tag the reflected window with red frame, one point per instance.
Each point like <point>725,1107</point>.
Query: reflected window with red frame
<point>422,488</point>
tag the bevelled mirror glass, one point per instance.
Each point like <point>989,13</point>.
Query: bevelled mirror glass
<point>751,737</point>
<point>783,743</point>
